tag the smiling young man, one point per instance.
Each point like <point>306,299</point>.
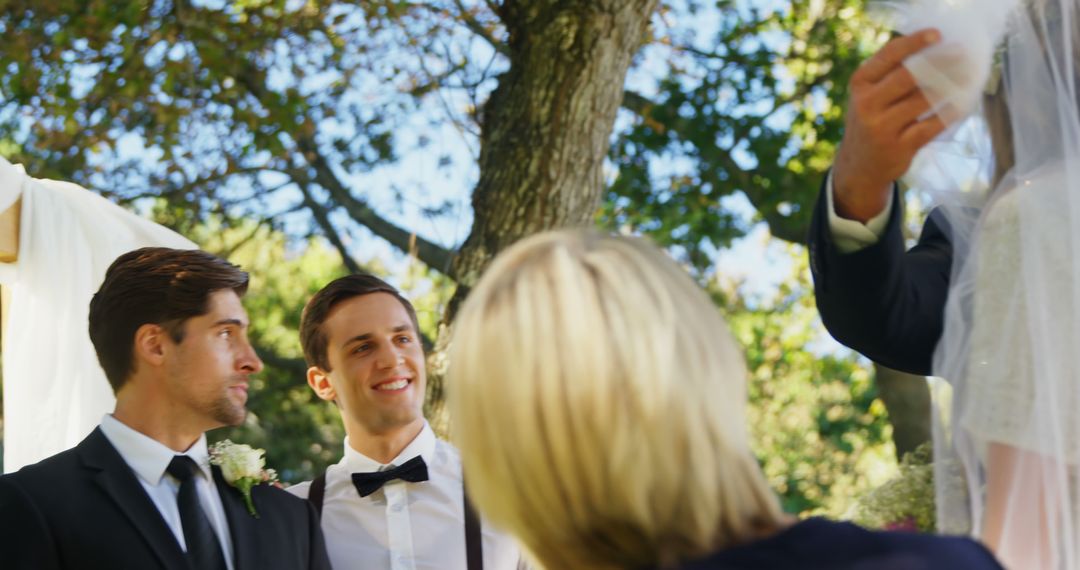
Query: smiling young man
<point>396,499</point>
<point>139,492</point>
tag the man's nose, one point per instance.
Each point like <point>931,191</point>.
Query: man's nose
<point>389,356</point>
<point>249,360</point>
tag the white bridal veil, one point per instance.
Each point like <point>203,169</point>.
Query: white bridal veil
<point>54,389</point>
<point>1007,433</point>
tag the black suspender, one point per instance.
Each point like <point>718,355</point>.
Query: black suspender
<point>317,491</point>
<point>474,549</point>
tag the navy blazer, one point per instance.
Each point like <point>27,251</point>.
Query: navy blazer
<point>819,544</point>
<point>85,508</point>
<point>883,302</point>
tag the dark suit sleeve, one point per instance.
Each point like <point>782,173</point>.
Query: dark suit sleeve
<point>25,540</point>
<point>316,543</point>
<point>881,301</point>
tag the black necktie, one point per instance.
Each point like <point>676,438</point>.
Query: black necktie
<point>413,471</point>
<point>203,548</point>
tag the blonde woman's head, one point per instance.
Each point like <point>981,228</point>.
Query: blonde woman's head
<point>598,399</point>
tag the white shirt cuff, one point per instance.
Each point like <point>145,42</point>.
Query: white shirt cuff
<point>850,235</point>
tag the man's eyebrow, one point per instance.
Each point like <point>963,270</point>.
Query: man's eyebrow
<point>359,337</point>
<point>226,322</point>
<point>368,336</point>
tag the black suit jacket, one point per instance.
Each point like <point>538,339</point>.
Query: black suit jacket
<point>85,508</point>
<point>885,303</point>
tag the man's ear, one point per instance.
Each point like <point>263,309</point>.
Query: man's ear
<point>319,380</point>
<point>150,342</point>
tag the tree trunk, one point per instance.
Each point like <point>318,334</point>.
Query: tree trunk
<point>907,399</point>
<point>545,132</point>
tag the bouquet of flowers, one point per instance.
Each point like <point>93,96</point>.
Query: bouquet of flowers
<point>905,502</point>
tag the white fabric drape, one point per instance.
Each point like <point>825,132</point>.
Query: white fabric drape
<point>54,390</point>
<point>953,73</point>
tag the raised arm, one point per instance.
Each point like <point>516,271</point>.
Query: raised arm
<point>885,126</point>
<point>9,232</point>
<point>881,301</point>
<point>873,296</point>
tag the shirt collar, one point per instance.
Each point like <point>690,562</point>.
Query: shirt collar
<point>146,456</point>
<point>422,445</point>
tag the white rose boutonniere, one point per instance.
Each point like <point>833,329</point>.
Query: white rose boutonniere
<point>242,467</point>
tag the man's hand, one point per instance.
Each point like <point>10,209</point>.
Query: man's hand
<point>882,131</point>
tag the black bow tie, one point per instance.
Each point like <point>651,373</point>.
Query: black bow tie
<point>413,471</point>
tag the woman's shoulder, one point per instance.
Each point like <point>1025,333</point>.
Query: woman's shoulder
<point>819,543</point>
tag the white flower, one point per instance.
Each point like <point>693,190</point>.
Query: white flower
<point>241,460</point>
<point>242,467</point>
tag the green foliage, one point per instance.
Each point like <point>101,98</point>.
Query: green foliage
<point>820,434</point>
<point>753,108</point>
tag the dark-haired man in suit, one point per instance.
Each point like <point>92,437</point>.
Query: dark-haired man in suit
<point>139,491</point>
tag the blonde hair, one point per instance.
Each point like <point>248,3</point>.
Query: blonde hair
<point>599,402</point>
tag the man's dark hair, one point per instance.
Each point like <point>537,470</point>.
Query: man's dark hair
<point>312,336</point>
<point>153,285</point>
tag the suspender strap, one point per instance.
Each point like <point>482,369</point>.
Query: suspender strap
<point>474,553</point>
<point>316,492</point>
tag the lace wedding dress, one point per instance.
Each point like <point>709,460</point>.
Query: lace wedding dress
<point>1020,302</point>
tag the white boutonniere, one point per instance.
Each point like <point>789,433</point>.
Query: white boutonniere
<point>242,467</point>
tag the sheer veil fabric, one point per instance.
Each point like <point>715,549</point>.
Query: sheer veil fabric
<point>1007,416</point>
<point>54,390</point>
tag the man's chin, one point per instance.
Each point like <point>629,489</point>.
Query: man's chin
<point>231,415</point>
<point>395,421</point>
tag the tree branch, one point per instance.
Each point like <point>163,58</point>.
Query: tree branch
<point>228,252</point>
<point>477,28</point>
<point>322,218</point>
<point>636,102</point>
<point>471,23</point>
<point>779,225</point>
<point>434,255</point>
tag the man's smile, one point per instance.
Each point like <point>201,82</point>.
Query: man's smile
<point>394,384</point>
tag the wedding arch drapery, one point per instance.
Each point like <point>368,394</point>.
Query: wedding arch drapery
<point>54,390</point>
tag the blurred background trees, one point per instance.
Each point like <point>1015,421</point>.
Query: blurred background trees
<point>304,139</point>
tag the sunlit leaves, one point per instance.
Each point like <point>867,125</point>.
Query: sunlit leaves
<point>818,429</point>
<point>751,108</point>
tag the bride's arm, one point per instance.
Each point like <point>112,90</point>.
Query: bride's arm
<point>1023,498</point>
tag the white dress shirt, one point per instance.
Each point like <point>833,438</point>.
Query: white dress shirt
<point>850,235</point>
<point>149,458</point>
<point>404,526</point>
